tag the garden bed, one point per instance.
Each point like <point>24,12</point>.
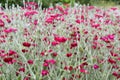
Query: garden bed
<point>73,43</point>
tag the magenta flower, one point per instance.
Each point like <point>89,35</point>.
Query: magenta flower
<point>42,53</point>
<point>54,43</point>
<point>9,30</point>
<point>116,74</point>
<point>2,24</point>
<point>2,51</point>
<point>114,8</point>
<point>95,38</point>
<point>60,39</point>
<point>1,65</point>
<point>30,13</point>
<point>91,7</point>
<point>45,64</point>
<point>22,69</point>
<point>30,62</point>
<point>111,37</point>
<point>35,22</point>
<point>73,44</point>
<point>82,65</point>
<point>83,71</point>
<point>113,54</point>
<point>95,25</point>
<point>26,78</point>
<point>118,58</point>
<point>26,44</point>
<point>112,61</point>
<point>11,52</point>
<point>70,68</point>
<point>60,8</point>
<point>9,60</point>
<point>95,66</point>
<point>24,50</point>
<point>54,54</point>
<point>49,20</point>
<point>78,21</point>
<point>31,5</point>
<point>66,68</point>
<point>68,54</point>
<point>85,31</point>
<point>108,38</point>
<point>44,72</point>
<point>52,61</point>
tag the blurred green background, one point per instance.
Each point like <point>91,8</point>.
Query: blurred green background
<point>47,3</point>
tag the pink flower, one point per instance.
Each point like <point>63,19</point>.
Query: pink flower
<point>42,53</point>
<point>2,51</point>
<point>78,21</point>
<point>85,31</point>
<point>35,22</point>
<point>45,64</point>
<point>98,16</point>
<point>22,69</point>
<point>114,8</point>
<point>83,64</point>
<point>44,72</point>
<point>108,38</point>
<point>49,20</point>
<point>83,71</point>
<point>112,61</point>
<point>60,39</point>
<point>91,7</point>
<point>116,74</point>
<point>95,25</point>
<point>24,50</point>
<point>95,66</point>
<point>50,50</point>
<point>26,78</point>
<point>73,44</point>
<point>30,13</point>
<point>60,8</point>
<point>113,54</point>
<point>30,62</point>
<point>54,43</point>
<point>118,58</point>
<point>2,24</point>
<point>70,68</point>
<point>1,65</point>
<point>26,44</point>
<point>111,37</point>
<point>31,5</point>
<point>52,61</point>
<point>8,20</point>
<point>11,52</point>
<point>95,38</point>
<point>9,60</point>
<point>66,68</point>
<point>54,54</point>
<point>69,54</point>
<point>96,45</point>
<point>3,55</point>
<point>9,30</point>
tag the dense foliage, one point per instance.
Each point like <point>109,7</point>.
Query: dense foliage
<point>47,3</point>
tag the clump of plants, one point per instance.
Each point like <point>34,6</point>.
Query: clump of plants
<point>72,43</point>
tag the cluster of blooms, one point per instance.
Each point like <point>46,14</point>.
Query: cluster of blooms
<point>60,43</point>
